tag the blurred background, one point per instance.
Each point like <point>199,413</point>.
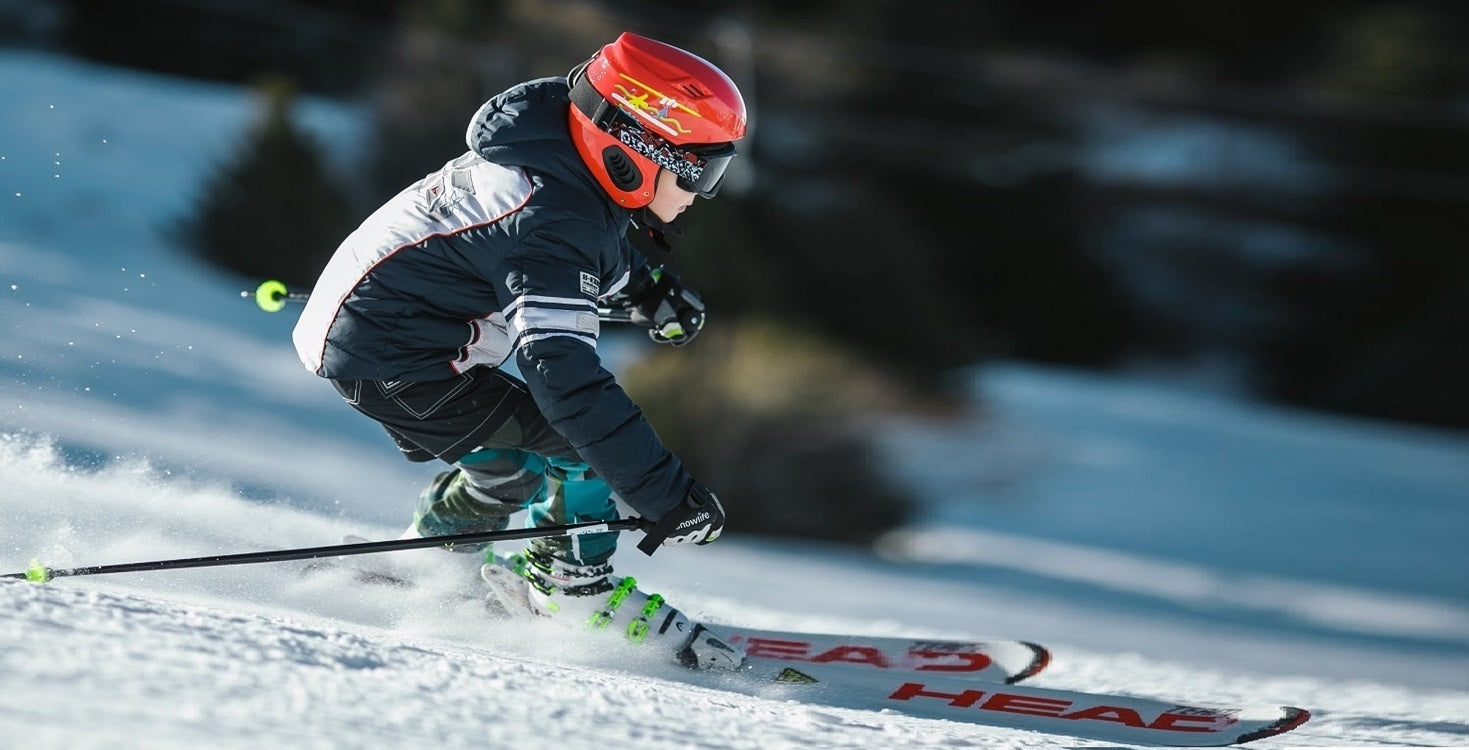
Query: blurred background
<point>1264,199</point>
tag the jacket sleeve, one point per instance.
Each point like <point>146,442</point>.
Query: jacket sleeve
<point>553,287</point>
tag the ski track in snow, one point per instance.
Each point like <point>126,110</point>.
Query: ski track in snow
<point>255,681</point>
<point>147,413</point>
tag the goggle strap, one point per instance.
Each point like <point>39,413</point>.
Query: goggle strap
<point>585,97</point>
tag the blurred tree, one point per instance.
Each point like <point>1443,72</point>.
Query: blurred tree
<point>1386,334</point>
<point>275,211</point>
<point>434,80</point>
<point>918,188</point>
<point>324,45</point>
<point>780,423</point>
<point>1032,286</point>
<point>918,210</point>
<point>1416,369</point>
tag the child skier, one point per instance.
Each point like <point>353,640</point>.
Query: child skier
<point>508,252</point>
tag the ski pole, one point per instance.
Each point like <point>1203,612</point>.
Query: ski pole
<point>38,573</point>
<point>273,295</point>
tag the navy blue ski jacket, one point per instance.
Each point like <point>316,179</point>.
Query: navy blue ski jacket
<point>503,252</point>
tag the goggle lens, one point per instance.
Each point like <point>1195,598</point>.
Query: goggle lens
<point>715,160</point>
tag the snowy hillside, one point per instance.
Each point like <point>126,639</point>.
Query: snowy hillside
<point>1161,542</point>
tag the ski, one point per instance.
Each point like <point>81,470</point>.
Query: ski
<point>984,660</point>
<point>1094,716</point>
<point>966,681</point>
<point>987,660</point>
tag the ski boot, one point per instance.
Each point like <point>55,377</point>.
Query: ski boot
<point>589,594</point>
<point>451,505</point>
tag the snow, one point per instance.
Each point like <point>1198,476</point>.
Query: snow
<point>1162,542</point>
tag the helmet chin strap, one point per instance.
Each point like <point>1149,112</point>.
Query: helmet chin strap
<point>659,229</point>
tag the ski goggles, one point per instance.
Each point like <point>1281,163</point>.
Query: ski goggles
<point>699,168</point>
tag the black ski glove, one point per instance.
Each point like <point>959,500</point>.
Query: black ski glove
<point>698,519</point>
<point>673,312</point>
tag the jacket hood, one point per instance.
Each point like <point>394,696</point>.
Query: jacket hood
<point>526,126</point>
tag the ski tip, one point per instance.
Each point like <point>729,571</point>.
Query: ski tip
<point>1040,659</point>
<point>1291,717</point>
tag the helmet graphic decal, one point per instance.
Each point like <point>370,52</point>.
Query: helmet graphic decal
<point>637,104</point>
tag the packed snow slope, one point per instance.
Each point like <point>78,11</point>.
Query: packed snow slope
<point>1162,542</point>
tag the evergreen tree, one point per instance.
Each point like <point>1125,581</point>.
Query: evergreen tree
<point>275,211</point>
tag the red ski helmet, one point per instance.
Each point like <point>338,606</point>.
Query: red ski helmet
<point>639,105</point>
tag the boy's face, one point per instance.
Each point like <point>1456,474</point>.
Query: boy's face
<point>669,200</point>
